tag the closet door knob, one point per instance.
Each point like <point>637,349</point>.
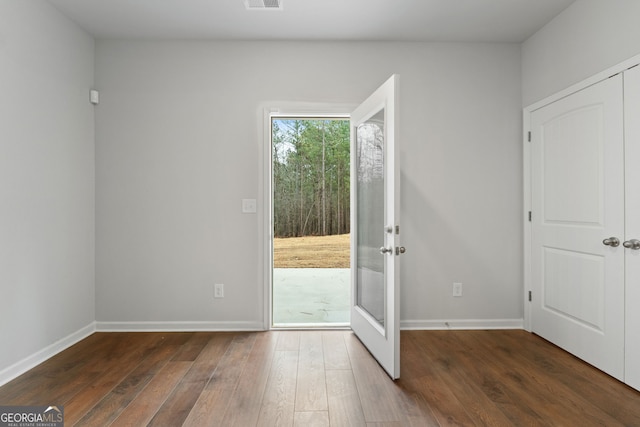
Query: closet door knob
<point>611,241</point>
<point>632,244</point>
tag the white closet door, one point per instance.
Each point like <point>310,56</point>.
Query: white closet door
<point>632,199</point>
<point>577,202</point>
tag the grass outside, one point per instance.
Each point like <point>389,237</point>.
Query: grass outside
<point>312,252</point>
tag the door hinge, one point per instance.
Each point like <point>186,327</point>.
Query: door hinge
<point>529,136</point>
<point>529,216</point>
<point>529,296</point>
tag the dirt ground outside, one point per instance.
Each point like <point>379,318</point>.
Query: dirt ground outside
<point>312,252</point>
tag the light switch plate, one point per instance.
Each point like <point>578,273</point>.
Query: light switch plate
<point>249,206</point>
<point>94,97</point>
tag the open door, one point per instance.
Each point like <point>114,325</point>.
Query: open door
<point>375,245</point>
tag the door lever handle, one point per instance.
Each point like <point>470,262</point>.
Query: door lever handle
<point>611,241</point>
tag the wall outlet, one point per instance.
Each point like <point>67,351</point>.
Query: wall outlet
<point>457,289</point>
<point>218,290</point>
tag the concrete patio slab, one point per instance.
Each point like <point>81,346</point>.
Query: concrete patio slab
<point>311,297</point>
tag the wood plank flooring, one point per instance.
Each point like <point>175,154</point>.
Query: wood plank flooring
<point>322,378</point>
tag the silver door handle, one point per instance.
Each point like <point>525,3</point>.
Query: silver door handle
<point>632,244</point>
<point>384,250</point>
<point>400,250</point>
<point>611,241</point>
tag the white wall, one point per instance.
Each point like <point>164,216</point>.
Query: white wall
<point>47,277</point>
<point>588,37</point>
<point>178,136</point>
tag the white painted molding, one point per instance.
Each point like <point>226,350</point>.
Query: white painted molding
<point>46,353</point>
<point>258,326</point>
<point>178,326</point>
<point>266,232</point>
<point>526,224</point>
<point>461,324</point>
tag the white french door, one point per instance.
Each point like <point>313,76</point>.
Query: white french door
<point>577,188</point>
<point>375,246</point>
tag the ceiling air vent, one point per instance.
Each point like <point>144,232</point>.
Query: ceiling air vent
<point>263,4</point>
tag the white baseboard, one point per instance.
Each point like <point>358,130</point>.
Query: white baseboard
<point>37,358</point>
<point>178,326</point>
<point>461,324</point>
<point>181,326</point>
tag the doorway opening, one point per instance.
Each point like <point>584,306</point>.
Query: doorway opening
<point>310,177</point>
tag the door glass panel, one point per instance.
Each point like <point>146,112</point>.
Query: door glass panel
<point>370,290</point>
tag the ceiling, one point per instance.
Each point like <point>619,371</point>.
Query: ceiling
<point>510,21</point>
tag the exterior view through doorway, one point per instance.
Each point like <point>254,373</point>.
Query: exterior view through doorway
<point>310,177</point>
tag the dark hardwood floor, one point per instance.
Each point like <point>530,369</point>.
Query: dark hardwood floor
<point>322,378</point>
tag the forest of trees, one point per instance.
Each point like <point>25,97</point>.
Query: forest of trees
<point>310,177</point>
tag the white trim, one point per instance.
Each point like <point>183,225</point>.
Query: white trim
<point>46,353</point>
<point>267,230</point>
<point>308,109</point>
<point>461,324</point>
<point>526,168</point>
<point>178,326</point>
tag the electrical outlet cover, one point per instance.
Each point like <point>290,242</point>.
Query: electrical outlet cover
<point>218,290</point>
<point>457,289</point>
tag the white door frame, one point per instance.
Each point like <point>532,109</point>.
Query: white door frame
<point>632,226</point>
<point>526,153</point>
<point>282,109</point>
